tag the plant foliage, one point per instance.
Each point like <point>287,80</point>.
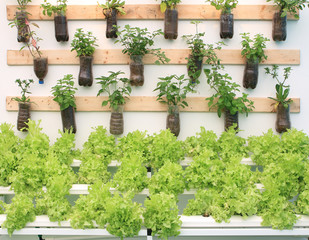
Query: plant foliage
<point>224,5</point>
<point>290,6</point>
<point>253,49</point>
<point>24,86</point>
<point>112,4</point>
<point>60,8</point>
<point>83,43</point>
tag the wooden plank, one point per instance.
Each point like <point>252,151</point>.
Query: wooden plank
<point>177,56</point>
<point>152,12</point>
<point>139,104</point>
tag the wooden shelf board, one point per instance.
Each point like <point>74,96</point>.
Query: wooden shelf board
<point>177,56</point>
<point>139,104</point>
<point>152,12</point>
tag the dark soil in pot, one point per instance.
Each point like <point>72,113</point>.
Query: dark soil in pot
<point>111,21</point>
<point>68,119</point>
<point>251,74</point>
<point>171,24</point>
<point>22,28</point>
<point>40,66</point>
<point>279,27</point>
<point>23,116</point>
<point>194,72</point>
<point>283,122</point>
<point>116,121</point>
<point>136,71</point>
<point>61,28</point>
<point>226,25</point>
<point>173,120</point>
<point>230,119</point>
<point>85,77</point>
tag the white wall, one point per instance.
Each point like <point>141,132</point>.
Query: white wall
<point>255,124</point>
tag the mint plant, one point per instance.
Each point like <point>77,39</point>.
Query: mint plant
<point>224,5</point>
<point>60,8</point>
<point>253,49</point>
<point>83,43</point>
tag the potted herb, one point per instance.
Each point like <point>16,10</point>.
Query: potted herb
<point>253,51</point>
<point>198,52</point>
<point>226,17</point>
<point>23,104</point>
<point>168,7</point>
<point>174,89</point>
<point>224,99</point>
<point>282,102</point>
<point>60,19</point>
<point>84,44</point>
<point>110,10</point>
<point>64,92</point>
<point>279,32</point>
<point>117,89</point>
<point>136,41</point>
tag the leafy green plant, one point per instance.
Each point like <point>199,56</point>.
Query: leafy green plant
<point>59,9</point>
<point>64,92</point>
<point>32,45</point>
<point>224,5</point>
<point>83,43</point>
<point>287,6</point>
<point>161,215</point>
<point>22,4</point>
<point>117,89</point>
<point>282,90</point>
<point>171,4</point>
<point>136,41</point>
<point>112,4</point>
<point>253,49</point>
<point>24,85</point>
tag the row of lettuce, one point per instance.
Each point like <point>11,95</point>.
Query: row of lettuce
<point>225,187</point>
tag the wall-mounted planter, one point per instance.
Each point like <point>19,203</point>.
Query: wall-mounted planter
<point>23,116</point>
<point>173,120</point>
<point>40,66</point>
<point>111,22</point>
<point>116,121</point>
<point>279,32</point>
<point>171,24</point>
<point>251,74</point>
<point>136,70</point>
<point>61,28</point>
<point>22,29</point>
<point>85,77</point>
<point>68,119</point>
<point>226,25</point>
<point>283,122</point>
<point>194,71</point>
<point>230,119</point>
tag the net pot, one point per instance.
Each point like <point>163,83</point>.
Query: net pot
<point>61,28</point>
<point>194,72</point>
<point>226,25</point>
<point>283,122</point>
<point>251,74</point>
<point>116,121</point>
<point>22,29</point>
<point>68,119</point>
<point>230,119</point>
<point>85,77</point>
<point>279,27</point>
<point>136,70</point>
<point>23,116</point>
<point>173,120</point>
<point>111,21</point>
<point>171,24</point>
<point>40,66</point>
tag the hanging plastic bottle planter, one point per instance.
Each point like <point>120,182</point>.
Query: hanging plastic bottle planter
<point>230,120</point>
<point>40,66</point>
<point>173,120</point>
<point>283,122</point>
<point>136,70</point>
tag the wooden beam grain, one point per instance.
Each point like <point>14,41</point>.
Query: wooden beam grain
<point>139,104</point>
<point>177,56</point>
<point>152,12</point>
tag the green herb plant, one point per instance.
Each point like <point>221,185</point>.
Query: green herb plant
<point>22,4</point>
<point>168,4</point>
<point>59,9</point>
<point>83,43</point>
<point>112,4</point>
<point>282,90</point>
<point>224,5</point>
<point>24,86</point>
<point>253,49</point>
<point>287,6</point>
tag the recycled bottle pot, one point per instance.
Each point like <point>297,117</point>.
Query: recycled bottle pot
<point>116,121</point>
<point>40,65</point>
<point>173,120</point>
<point>279,32</point>
<point>251,74</point>
<point>68,119</point>
<point>283,122</point>
<point>194,71</point>
<point>226,25</point>
<point>22,28</point>
<point>136,70</point>
<point>85,77</point>
<point>230,119</point>
<point>111,21</point>
<point>171,24</point>
<point>61,28</point>
<point>23,116</point>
